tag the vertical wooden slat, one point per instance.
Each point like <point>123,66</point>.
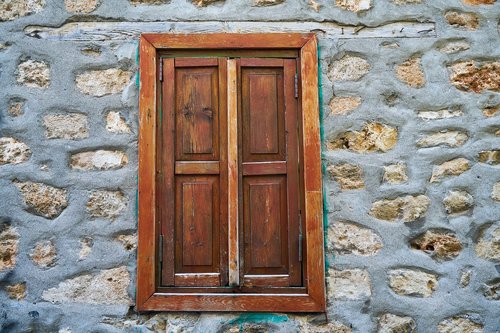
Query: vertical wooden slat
<point>232,160</point>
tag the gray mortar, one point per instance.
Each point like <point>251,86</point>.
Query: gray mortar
<point>66,60</point>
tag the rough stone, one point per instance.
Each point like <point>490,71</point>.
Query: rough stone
<point>495,193</point>
<point>148,2</point>
<point>408,282</point>
<point>374,137</point>
<point>439,245</point>
<point>406,2</point>
<point>107,287</point>
<point>129,242</point>
<point>444,138</point>
<point>44,254</point>
<point>13,9</point>
<point>491,111</point>
<point>478,2</point>
<point>107,204</point>
<point>469,21</point>
<point>491,290</point>
<point>346,238</point>
<point>349,284</point>
<point>81,6</point>
<point>471,76</point>
<point>488,245</point>
<point>349,68</point>
<point>440,114</point>
<point>98,160</point>
<point>490,157</point>
<point>13,151</point>
<point>354,5</point>
<point>86,244</point>
<point>15,108</point>
<point>459,325</point>
<point>395,174</point>
<point>66,126</point>
<point>103,82</point>
<point>450,168</point>
<point>458,202</point>
<point>17,291</point>
<point>454,47</point>
<point>349,176</point>
<point>261,3</point>
<point>406,208</point>
<point>42,199</point>
<point>203,3</point>
<point>9,246</point>
<point>34,74</point>
<point>344,105</point>
<point>391,323</point>
<point>115,123</point>
<point>411,72</point>
<point>314,5</point>
<point>465,278</point>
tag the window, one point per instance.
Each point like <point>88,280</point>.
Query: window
<point>230,202</point>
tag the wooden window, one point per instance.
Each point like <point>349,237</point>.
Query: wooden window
<point>230,202</point>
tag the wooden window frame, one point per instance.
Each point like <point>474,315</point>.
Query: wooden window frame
<point>147,297</point>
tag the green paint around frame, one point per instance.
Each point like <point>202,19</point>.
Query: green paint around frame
<point>259,318</point>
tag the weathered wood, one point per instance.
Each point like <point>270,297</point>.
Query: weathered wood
<point>197,279</point>
<point>197,168</point>
<point>264,168</point>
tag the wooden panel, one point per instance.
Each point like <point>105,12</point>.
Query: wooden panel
<point>282,280</point>
<point>234,53</point>
<point>262,62</point>
<point>197,168</point>
<point>197,279</point>
<point>197,115</point>
<point>264,168</point>
<point>195,62</point>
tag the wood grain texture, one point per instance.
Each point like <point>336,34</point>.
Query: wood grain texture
<point>197,168</point>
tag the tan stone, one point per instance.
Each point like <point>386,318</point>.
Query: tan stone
<point>267,2</point>
<point>203,3</point>
<point>13,151</point>
<point>107,204</point>
<point>491,111</point>
<point>34,74</point>
<point>454,47</point>
<point>44,254</point>
<point>349,284</point>
<point>478,2</point>
<point>148,2</point>
<point>354,5</point>
<point>408,282</point>
<point>13,9</point>
<point>346,238</point>
<point>86,244</point>
<point>129,242</point>
<point>488,245</point>
<point>107,287</point>
<point>406,2</point>
<point>374,137</point>
<point>17,291</point>
<point>445,138</point>
<point>98,160</point>
<point>332,326</point>
<point>115,123</point>
<point>458,202</point>
<point>490,157</point>
<point>439,245</point>
<point>42,199</point>
<point>314,5</point>
<point>103,82</point>
<point>344,105</point>
<point>66,126</point>
<point>450,168</point>
<point>16,108</point>
<point>491,290</point>
<point>391,323</point>
<point>81,6</point>
<point>469,21</point>
<point>471,76</point>
<point>495,193</point>
<point>9,246</point>
<point>406,208</point>
<point>411,72</point>
<point>465,278</point>
<point>92,50</point>
<point>440,114</point>
<point>349,68</point>
<point>395,174</point>
<point>459,325</point>
<point>349,176</point>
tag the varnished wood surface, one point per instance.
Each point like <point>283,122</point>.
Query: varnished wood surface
<point>197,167</point>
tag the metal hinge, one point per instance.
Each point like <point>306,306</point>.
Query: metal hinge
<point>160,249</point>
<point>161,70</point>
<point>296,85</point>
<point>300,235</point>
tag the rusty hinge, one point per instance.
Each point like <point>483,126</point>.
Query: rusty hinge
<point>296,85</point>
<point>160,249</point>
<point>161,70</point>
<point>300,235</point>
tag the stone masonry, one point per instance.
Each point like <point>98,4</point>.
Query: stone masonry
<point>410,93</point>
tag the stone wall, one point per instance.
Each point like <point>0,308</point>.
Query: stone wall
<point>410,100</point>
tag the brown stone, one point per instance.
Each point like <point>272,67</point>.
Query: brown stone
<point>107,287</point>
<point>204,3</point>
<point>349,284</point>
<point>13,9</point>
<point>469,21</point>
<point>471,76</point>
<point>34,74</point>
<point>491,290</point>
<point>81,6</point>
<point>98,160</point>
<point>15,108</point>
<point>354,5</point>
<point>66,126</point>
<point>391,323</point>
<point>491,111</point>
<point>262,3</point>
<point>444,138</point>
<point>439,245</point>
<point>17,291</point>
<point>411,72</point>
<point>103,82</point>
<point>13,151</point>
<point>478,2</point>
<point>107,204</point>
<point>406,208</point>
<point>44,254</point>
<point>459,325</point>
<point>488,244</point>
<point>490,157</point>
<point>129,242</point>
<point>458,202</point>
<point>115,123</point>
<point>349,176</point>
<point>9,245</point>
<point>348,68</point>
<point>148,2</point>
<point>42,199</point>
<point>409,282</point>
<point>346,238</point>
<point>344,105</point>
<point>450,168</point>
<point>374,137</point>
<point>395,174</point>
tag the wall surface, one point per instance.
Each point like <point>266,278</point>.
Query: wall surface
<point>410,103</point>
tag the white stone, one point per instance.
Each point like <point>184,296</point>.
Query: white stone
<point>445,138</point>
<point>439,114</point>
<point>103,82</point>
<point>115,123</point>
<point>349,68</point>
<point>13,151</point>
<point>66,126</point>
<point>349,284</point>
<point>98,160</point>
<point>407,282</point>
<point>345,238</point>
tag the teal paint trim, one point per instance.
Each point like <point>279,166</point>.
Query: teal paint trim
<point>259,318</point>
<point>323,165</point>
<point>138,75</point>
